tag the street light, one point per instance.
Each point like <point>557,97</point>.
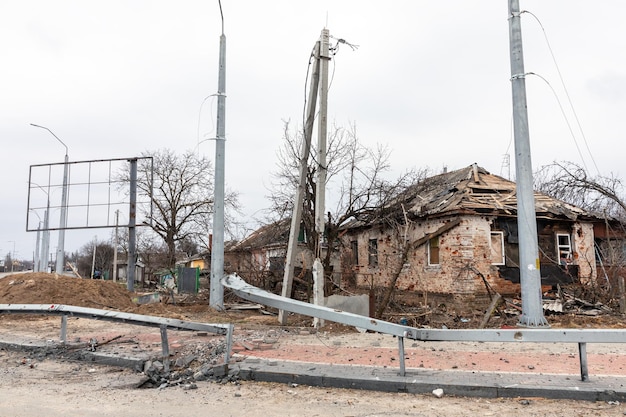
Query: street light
<point>45,240</point>
<point>63,218</point>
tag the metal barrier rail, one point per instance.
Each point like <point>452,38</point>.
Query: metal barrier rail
<point>520,335</point>
<point>117,316</point>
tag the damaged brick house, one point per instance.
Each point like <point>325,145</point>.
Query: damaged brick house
<point>260,257</point>
<point>455,235</point>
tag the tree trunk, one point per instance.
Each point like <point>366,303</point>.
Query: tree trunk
<point>392,285</point>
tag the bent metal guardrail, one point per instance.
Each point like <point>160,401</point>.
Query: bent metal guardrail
<point>580,336</point>
<point>118,316</point>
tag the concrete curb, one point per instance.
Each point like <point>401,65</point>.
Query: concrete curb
<point>424,381</point>
<point>416,381</point>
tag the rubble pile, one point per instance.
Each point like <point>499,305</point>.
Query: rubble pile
<point>157,374</point>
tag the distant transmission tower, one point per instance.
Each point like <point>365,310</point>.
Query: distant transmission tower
<point>506,166</point>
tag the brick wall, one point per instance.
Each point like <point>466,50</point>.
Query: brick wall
<point>465,258</point>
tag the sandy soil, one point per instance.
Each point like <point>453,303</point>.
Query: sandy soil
<point>32,385</point>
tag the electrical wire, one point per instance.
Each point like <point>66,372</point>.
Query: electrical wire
<point>569,126</point>
<point>306,81</point>
<point>200,118</point>
<point>558,70</point>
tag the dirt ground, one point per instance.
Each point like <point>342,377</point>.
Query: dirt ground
<point>54,389</point>
<point>32,385</point>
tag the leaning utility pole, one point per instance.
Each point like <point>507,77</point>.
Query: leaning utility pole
<point>321,57</point>
<point>216,296</point>
<point>530,273</point>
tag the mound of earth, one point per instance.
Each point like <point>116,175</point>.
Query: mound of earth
<point>43,288</point>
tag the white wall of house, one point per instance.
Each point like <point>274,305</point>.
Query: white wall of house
<point>584,251</point>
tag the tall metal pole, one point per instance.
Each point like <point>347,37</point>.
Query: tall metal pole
<point>132,218</point>
<point>60,261</point>
<point>115,245</point>
<point>294,231</point>
<point>60,266</point>
<point>216,296</point>
<point>36,259</point>
<point>93,257</point>
<point>45,239</point>
<point>530,275</point>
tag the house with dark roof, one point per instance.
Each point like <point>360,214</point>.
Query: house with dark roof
<point>260,257</point>
<point>456,234</point>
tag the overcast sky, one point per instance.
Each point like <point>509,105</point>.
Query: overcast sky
<point>430,78</point>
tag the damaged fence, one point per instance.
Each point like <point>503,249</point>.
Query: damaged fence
<point>121,317</point>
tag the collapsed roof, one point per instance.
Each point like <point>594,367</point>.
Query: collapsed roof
<point>469,190</point>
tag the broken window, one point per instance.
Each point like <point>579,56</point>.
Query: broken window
<point>563,246</point>
<point>433,251</point>
<point>302,237</point>
<point>497,248</point>
<point>354,245</point>
<point>372,249</point>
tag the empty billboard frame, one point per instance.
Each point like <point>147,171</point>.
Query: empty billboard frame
<point>95,190</point>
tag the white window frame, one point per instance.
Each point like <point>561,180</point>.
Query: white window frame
<point>438,254</point>
<point>564,247</point>
<point>494,253</point>
<point>372,253</point>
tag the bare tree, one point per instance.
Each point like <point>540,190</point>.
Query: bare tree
<point>182,199</point>
<point>356,183</point>
<point>102,262</point>
<point>603,195</point>
<point>570,182</point>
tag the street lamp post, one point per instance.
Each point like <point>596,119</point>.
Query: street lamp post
<point>45,238</point>
<point>63,217</point>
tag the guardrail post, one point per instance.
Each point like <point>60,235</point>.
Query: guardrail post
<point>401,352</point>
<point>229,343</point>
<point>582,352</point>
<point>165,347</point>
<point>64,329</point>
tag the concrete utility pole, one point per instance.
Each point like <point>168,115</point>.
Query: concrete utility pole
<point>216,296</point>
<point>294,230</point>
<point>530,273</point>
<point>320,191</point>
